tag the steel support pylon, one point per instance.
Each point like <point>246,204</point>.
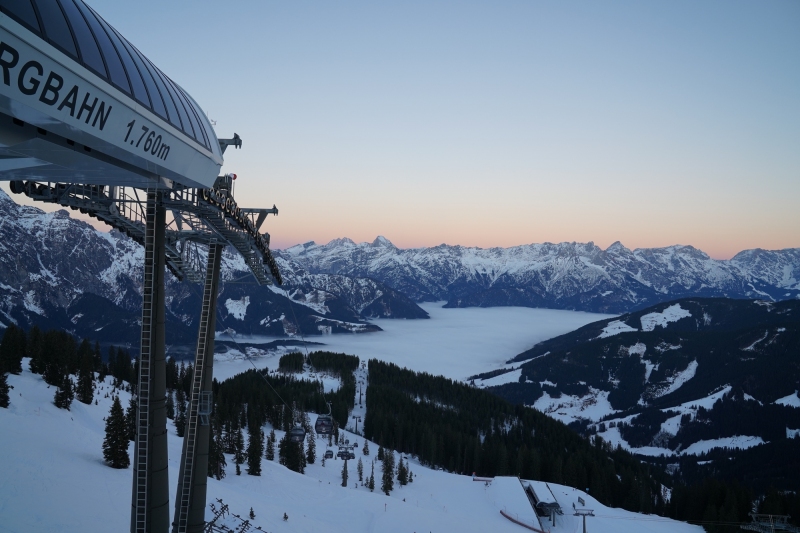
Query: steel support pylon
<point>150,495</point>
<point>190,500</point>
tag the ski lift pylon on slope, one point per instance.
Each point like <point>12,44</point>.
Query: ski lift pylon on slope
<point>324,424</point>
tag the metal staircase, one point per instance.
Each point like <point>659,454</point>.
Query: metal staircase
<point>194,417</point>
<point>191,483</point>
<point>142,455</point>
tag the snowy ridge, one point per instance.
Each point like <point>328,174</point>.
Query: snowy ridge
<point>564,275</point>
<point>675,381</point>
<point>593,406</point>
<point>673,313</point>
<point>792,400</point>
<point>614,327</point>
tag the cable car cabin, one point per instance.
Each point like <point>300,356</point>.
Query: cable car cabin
<point>81,104</point>
<point>324,425</point>
<point>345,453</point>
<point>329,454</point>
<point>297,434</point>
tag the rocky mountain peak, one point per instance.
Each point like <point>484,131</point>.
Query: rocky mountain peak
<point>381,241</point>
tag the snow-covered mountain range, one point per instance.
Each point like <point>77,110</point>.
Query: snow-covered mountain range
<point>562,276</point>
<point>59,272</point>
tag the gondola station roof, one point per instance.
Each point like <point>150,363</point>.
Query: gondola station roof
<point>79,103</point>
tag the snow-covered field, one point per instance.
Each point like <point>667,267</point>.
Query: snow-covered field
<point>672,426</point>
<point>456,343</point>
<point>567,409</point>
<point>52,478</point>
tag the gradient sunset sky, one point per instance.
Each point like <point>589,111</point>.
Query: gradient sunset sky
<point>498,123</point>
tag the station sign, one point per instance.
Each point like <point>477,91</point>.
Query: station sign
<point>61,96</point>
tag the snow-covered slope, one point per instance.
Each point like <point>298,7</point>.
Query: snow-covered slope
<point>54,480</point>
<point>565,275</point>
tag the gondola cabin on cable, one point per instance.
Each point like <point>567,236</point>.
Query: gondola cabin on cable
<point>297,434</point>
<point>324,423</point>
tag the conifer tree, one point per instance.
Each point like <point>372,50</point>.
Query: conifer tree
<point>181,376</point>
<point>85,391</point>
<point>12,349</point>
<point>169,404</point>
<point>64,394</point>
<point>344,473</point>
<point>228,437</point>
<point>111,357</point>
<point>271,446</point>
<point>35,349</point>
<point>365,449</point>
<point>291,454</point>
<point>115,444</point>
<point>180,418</point>
<point>283,449</point>
<point>380,453</point>
<point>402,473</point>
<point>301,456</point>
<point>360,469</point>
<point>130,417</point>
<point>255,448</point>
<point>53,356</point>
<point>216,457</point>
<point>311,449</point>
<point>252,514</point>
<point>4,388</point>
<point>84,350</point>
<point>238,451</point>
<point>371,482</point>
<point>242,413</point>
<point>102,372</point>
<point>387,480</point>
<point>97,358</point>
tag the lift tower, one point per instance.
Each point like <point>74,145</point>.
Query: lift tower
<point>150,494</point>
<point>140,155</point>
<point>206,220</point>
<point>190,501</point>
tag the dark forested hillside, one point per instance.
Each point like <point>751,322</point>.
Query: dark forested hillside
<point>670,354</point>
<point>463,429</point>
<point>265,393</point>
<point>686,380</point>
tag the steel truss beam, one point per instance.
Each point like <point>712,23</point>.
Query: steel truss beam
<point>198,217</point>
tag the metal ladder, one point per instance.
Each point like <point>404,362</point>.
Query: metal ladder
<point>143,417</point>
<point>197,386</point>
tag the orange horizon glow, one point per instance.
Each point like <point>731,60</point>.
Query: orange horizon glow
<point>286,231</point>
<point>289,229</point>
